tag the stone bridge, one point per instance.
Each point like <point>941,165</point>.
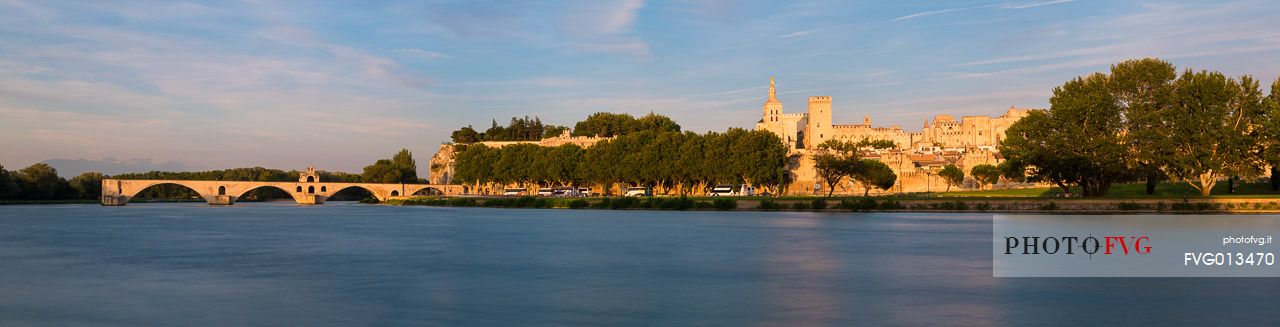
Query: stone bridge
<point>307,190</point>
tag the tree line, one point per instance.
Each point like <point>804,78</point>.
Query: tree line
<point>668,161</point>
<point>519,129</point>
<point>1144,120</point>
<point>41,181</point>
<point>603,124</point>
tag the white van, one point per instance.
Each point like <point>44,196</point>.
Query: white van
<point>513,191</point>
<point>544,192</point>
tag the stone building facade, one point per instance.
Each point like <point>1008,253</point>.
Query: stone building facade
<point>916,159</point>
<point>809,129</point>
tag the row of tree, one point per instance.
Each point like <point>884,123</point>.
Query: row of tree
<point>1145,121</point>
<point>668,161</point>
<point>604,124</point>
<point>519,129</point>
<point>41,182</point>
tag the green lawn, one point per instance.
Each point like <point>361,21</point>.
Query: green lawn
<point>1128,190</point>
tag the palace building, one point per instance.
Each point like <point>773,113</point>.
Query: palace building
<point>916,159</point>
<point>809,129</point>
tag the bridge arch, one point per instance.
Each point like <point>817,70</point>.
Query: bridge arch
<point>431,190</point>
<point>292,195</point>
<point>372,192</point>
<point>134,193</point>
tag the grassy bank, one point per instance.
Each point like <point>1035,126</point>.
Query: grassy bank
<point>1128,191</point>
<point>887,204</point>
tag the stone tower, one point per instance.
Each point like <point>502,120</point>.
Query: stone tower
<point>772,107</point>
<point>819,128</point>
<point>309,176</point>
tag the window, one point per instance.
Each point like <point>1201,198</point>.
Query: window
<point>311,179</point>
<point>324,189</point>
<point>311,189</point>
<point>395,193</point>
<point>222,190</point>
<point>299,189</point>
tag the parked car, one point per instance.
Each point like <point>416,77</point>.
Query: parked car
<point>637,191</point>
<point>584,191</point>
<point>513,191</point>
<point>545,191</point>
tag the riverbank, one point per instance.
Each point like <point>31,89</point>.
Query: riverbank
<point>64,201</point>
<point>1270,204</point>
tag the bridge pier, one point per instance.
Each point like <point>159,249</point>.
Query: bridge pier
<point>310,199</point>
<point>114,200</point>
<point>220,200</point>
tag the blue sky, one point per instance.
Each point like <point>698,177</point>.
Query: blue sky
<point>339,84</point>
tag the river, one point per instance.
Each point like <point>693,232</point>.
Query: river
<point>355,264</point>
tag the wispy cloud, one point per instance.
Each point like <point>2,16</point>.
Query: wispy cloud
<point>798,33</point>
<point>999,6</point>
<point>425,54</point>
<point>936,12</point>
<point>1036,4</point>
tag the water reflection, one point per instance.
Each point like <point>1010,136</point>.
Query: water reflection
<point>801,268</point>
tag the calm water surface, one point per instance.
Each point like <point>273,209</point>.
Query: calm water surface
<point>344,264</point>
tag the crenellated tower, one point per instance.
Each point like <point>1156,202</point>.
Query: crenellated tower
<point>819,127</point>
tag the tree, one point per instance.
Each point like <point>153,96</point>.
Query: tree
<point>8,184</point>
<point>550,131</point>
<point>1268,134</point>
<point>952,175</point>
<point>603,124</point>
<point>88,185</point>
<point>831,169</point>
<point>41,182</point>
<point>607,124</point>
<point>985,174</point>
<point>1142,88</point>
<point>876,144</point>
<point>871,173</point>
<point>401,168</point>
<point>466,135</point>
<point>1213,117</point>
<point>1010,171</point>
<point>1078,141</point>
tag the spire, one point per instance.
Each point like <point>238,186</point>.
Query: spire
<point>773,92</point>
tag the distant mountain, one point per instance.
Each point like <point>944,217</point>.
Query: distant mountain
<point>112,166</point>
